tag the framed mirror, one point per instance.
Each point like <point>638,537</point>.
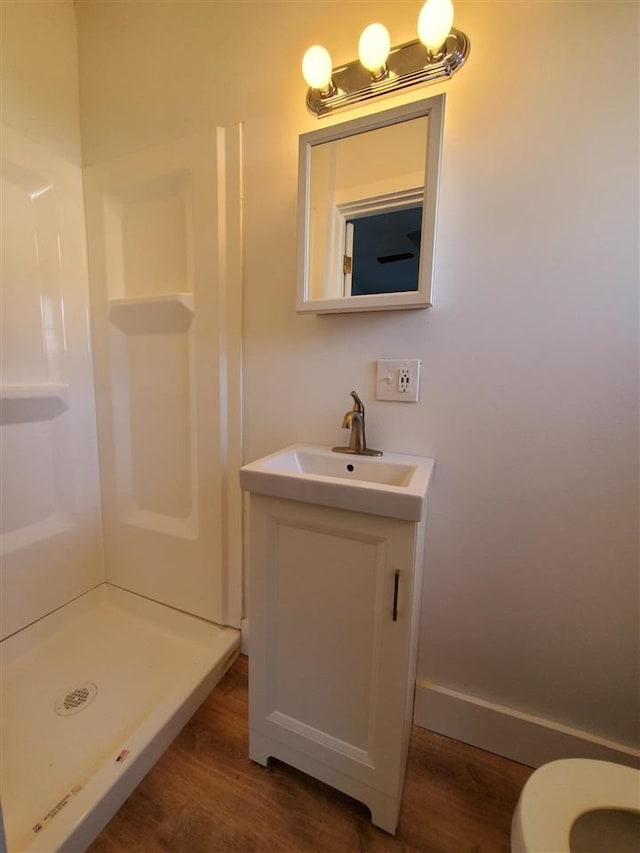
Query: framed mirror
<point>367,204</point>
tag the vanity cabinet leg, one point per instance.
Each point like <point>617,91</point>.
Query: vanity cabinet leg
<point>259,750</point>
<point>385,811</point>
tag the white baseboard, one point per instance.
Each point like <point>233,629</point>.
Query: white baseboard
<point>505,731</point>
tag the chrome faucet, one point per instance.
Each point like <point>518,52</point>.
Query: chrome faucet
<point>354,420</point>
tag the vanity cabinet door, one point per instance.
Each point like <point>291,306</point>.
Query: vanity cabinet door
<point>330,687</point>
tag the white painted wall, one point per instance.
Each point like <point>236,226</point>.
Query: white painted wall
<point>530,389</point>
<point>50,538</point>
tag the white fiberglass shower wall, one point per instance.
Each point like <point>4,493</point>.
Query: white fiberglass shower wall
<point>164,248</point>
<point>51,530</point>
<point>121,512</point>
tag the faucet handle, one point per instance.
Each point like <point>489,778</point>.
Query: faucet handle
<point>358,405</point>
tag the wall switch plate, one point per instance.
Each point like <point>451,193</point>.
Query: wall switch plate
<point>398,379</point>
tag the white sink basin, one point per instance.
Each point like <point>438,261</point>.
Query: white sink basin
<point>394,485</point>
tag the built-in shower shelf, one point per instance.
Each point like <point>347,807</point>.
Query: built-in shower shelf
<point>183,299</point>
<point>45,391</point>
<point>168,312</point>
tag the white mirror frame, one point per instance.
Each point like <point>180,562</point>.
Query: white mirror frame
<point>433,108</point>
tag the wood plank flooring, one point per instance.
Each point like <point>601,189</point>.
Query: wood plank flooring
<point>205,795</point>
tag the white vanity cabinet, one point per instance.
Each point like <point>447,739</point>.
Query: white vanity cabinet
<point>334,610</point>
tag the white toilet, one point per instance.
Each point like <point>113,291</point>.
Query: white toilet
<point>578,805</point>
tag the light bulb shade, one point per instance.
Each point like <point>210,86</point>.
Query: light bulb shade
<point>374,47</point>
<point>434,23</point>
<point>316,67</point>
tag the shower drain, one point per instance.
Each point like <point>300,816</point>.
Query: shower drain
<point>76,699</point>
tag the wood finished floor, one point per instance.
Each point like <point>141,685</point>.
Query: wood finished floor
<point>206,795</point>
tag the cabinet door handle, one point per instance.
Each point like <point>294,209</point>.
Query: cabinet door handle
<point>396,581</point>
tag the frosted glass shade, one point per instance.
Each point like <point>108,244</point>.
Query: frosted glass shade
<point>316,67</point>
<point>434,23</point>
<point>374,47</point>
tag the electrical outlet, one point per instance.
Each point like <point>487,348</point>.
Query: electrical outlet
<point>398,379</point>
<point>404,378</point>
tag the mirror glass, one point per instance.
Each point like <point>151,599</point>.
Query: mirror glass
<point>382,252</point>
<point>367,208</point>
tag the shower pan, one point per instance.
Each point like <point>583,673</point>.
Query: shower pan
<point>92,694</point>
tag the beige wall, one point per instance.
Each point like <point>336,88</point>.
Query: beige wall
<point>40,73</point>
<point>529,398</point>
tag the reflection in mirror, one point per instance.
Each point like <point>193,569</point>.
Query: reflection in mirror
<point>382,252</point>
<point>368,191</point>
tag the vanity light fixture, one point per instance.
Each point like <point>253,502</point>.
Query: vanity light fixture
<point>439,51</point>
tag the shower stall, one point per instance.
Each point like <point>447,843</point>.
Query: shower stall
<point>120,387</point>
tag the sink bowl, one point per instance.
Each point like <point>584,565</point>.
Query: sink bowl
<point>394,485</point>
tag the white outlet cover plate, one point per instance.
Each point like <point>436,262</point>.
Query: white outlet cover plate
<point>388,379</point>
